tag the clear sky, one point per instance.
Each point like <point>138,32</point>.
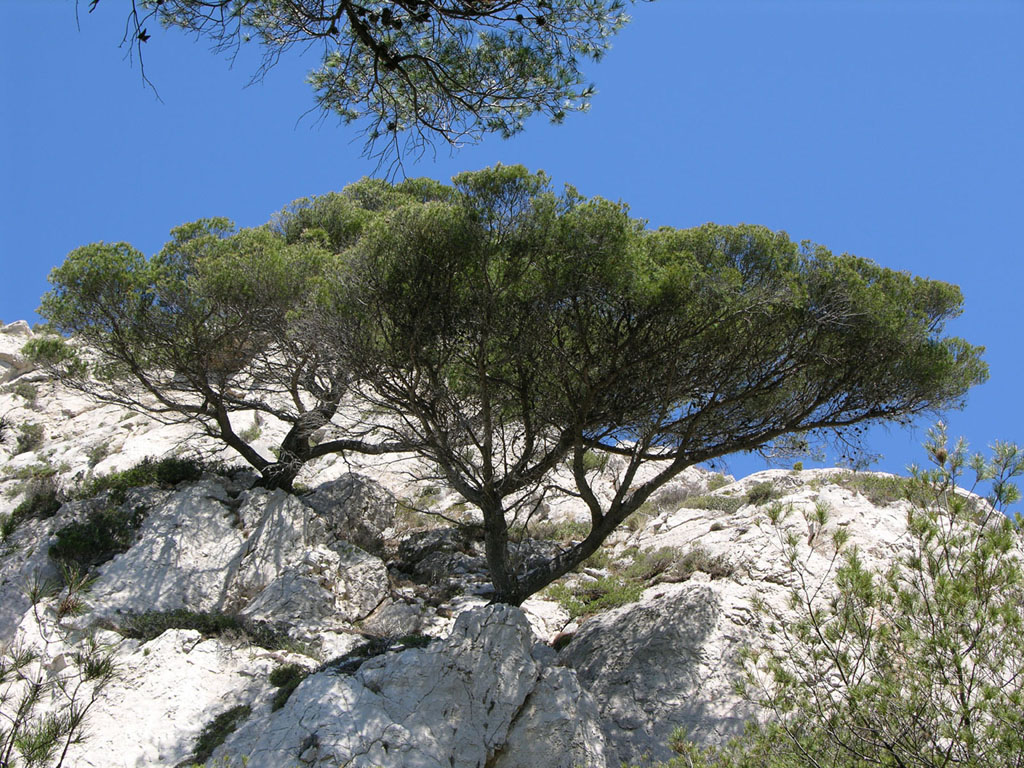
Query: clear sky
<point>889,129</point>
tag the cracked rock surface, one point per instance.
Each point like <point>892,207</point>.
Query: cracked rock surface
<point>481,697</point>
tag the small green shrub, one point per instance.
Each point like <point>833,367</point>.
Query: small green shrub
<point>216,732</point>
<point>798,466</point>
<point>718,480</point>
<point>8,525</point>
<point>879,489</point>
<point>761,493</point>
<point>5,428</point>
<point>42,500</point>
<point>286,679</point>
<point>30,438</point>
<point>631,575</point>
<point>85,544</point>
<point>97,453</point>
<point>727,504</point>
<point>26,391</point>
<point>595,461</point>
<point>152,624</point>
<point>32,471</point>
<point>639,519</point>
<point>251,433</point>
<point>164,473</point>
<point>563,531</point>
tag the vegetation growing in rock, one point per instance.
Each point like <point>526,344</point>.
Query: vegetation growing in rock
<point>727,504</point>
<point>919,664</point>
<point>104,533</point>
<point>29,438</point>
<point>286,679</point>
<point>878,489</point>
<point>631,574</point>
<point>502,331</point>
<point>162,473</point>
<point>42,500</point>
<point>27,391</point>
<point>216,732</point>
<point>150,625</point>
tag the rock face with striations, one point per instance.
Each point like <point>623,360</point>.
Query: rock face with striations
<point>487,695</point>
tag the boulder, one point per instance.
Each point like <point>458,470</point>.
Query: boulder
<point>488,695</point>
<point>12,362</point>
<point>355,509</point>
<point>667,661</point>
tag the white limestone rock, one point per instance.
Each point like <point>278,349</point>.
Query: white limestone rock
<point>356,509</point>
<point>487,695</point>
<point>12,362</point>
<point>667,661</point>
<point>185,551</point>
<point>165,692</point>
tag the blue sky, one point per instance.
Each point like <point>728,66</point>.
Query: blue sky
<point>892,130</point>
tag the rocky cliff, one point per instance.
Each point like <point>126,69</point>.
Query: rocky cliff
<point>348,623</point>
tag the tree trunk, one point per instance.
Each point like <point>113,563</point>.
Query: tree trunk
<point>503,577</point>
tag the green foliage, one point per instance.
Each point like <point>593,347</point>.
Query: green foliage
<point>919,664</point>
<point>722,503</point>
<point>761,493</point>
<point>216,732</point>
<point>30,438</point>
<point>415,73</point>
<point>42,500</point>
<point>517,330</point>
<point>286,679</point>
<point>152,624</point>
<point>564,531</point>
<point>45,705</point>
<point>97,453</point>
<point>717,480</point>
<point>27,391</point>
<point>595,461</point>
<point>163,473</point>
<point>104,533</point>
<point>880,489</point>
<point>627,581</point>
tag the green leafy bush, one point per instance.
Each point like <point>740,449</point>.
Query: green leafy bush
<point>595,461</point>
<point>879,489</point>
<point>27,391</point>
<point>164,473</point>
<point>727,504</point>
<point>286,679</point>
<point>563,531</point>
<point>627,581</point>
<point>93,541</point>
<point>718,480</point>
<point>42,500</point>
<point>216,732</point>
<point>761,493</point>
<point>152,624</point>
<point>920,664</point>
<point>97,453</point>
<point>30,438</point>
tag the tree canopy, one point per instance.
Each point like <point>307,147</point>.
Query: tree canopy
<point>414,72</point>
<point>504,331</point>
<point>210,328</point>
